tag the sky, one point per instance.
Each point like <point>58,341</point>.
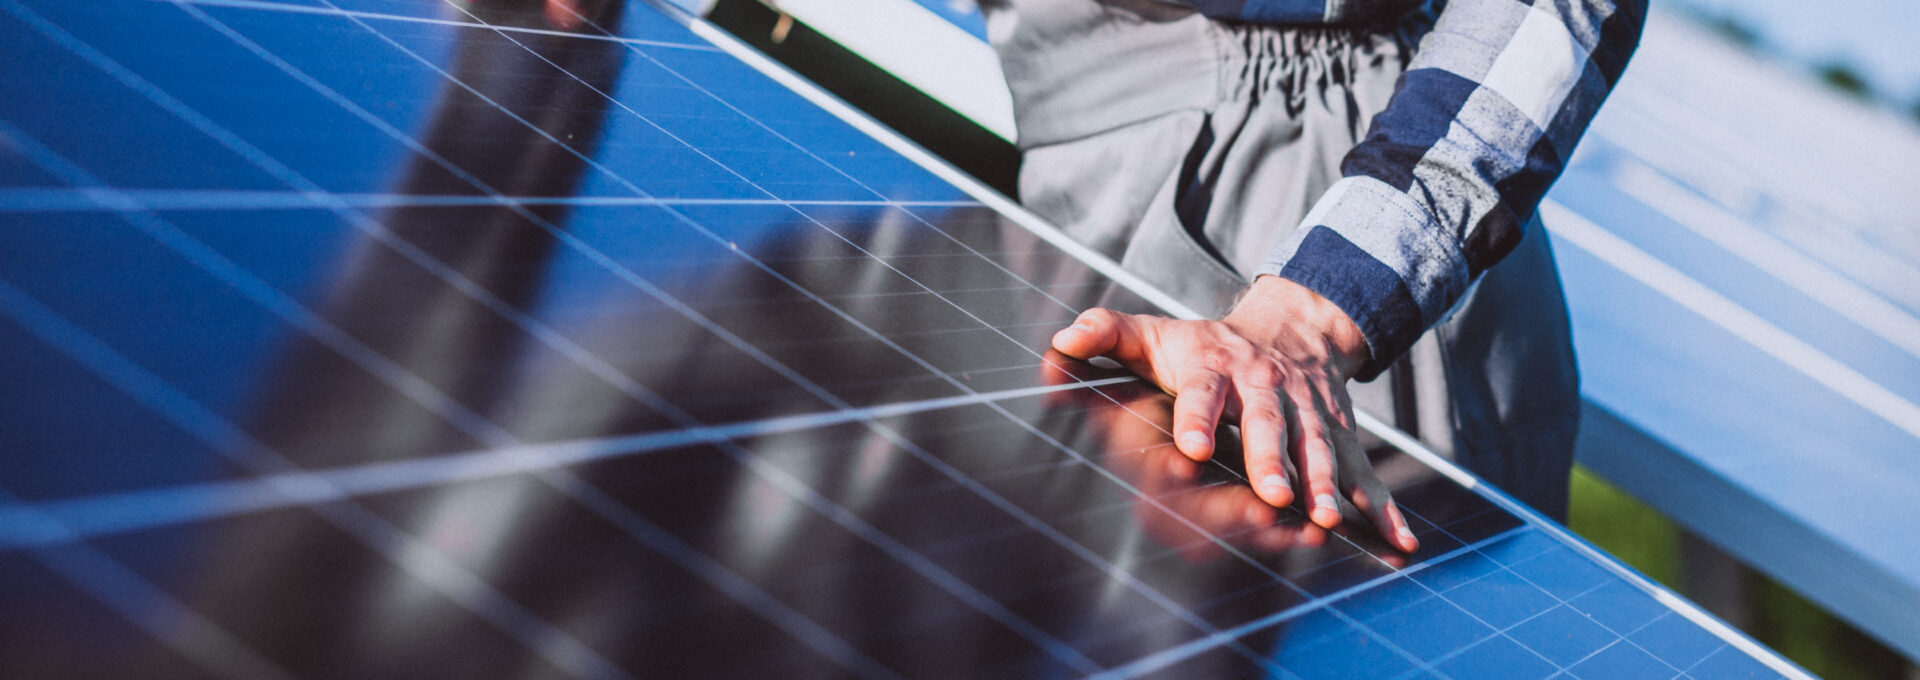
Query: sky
<point>1878,38</point>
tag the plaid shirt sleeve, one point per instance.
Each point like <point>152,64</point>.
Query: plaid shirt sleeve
<point>1480,124</point>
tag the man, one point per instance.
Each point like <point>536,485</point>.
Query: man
<point>1351,170</point>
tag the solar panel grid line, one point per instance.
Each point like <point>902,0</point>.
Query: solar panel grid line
<point>268,5</point>
<point>146,509</point>
<point>490,432</point>
<point>908,557</point>
<point>150,608</point>
<point>49,200</point>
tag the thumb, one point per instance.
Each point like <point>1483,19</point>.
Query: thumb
<point>1095,332</point>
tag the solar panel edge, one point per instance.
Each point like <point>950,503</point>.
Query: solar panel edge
<point>1026,219</point>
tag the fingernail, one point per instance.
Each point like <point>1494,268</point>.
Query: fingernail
<point>1194,438</point>
<point>1325,501</point>
<point>1400,523</point>
<point>1080,327</point>
<point>1273,482</point>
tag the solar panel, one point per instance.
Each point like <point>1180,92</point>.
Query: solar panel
<point>388,338</point>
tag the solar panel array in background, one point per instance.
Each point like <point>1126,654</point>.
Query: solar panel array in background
<point>363,339</point>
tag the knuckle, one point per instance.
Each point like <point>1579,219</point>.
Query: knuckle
<point>1096,317</point>
<point>1313,433</point>
<point>1267,375</point>
<point>1262,411</point>
<point>1216,358</point>
<point>1202,385</point>
<point>1359,498</point>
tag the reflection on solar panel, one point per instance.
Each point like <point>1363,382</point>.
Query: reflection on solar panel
<point>395,339</point>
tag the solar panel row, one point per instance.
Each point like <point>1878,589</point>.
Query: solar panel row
<point>388,338</point>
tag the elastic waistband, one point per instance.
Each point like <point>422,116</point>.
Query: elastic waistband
<point>1288,64</point>
<point>1082,68</point>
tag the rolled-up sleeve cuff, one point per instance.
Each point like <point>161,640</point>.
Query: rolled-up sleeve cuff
<point>1376,255</point>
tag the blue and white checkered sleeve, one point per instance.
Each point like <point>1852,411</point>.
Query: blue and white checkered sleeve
<point>1479,126</point>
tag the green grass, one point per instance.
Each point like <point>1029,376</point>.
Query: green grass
<point>1619,524</point>
<point>1800,630</point>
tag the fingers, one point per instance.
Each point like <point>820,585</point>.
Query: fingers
<point>1289,400</point>
<point>1313,455</point>
<point>1263,435</point>
<point>1196,413</point>
<point>1369,495</point>
<point>1095,332</point>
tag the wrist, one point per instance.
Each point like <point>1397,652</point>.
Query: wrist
<point>1278,310</point>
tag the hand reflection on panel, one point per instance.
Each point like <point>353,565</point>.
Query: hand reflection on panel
<point>1197,509</point>
<point>1132,425</point>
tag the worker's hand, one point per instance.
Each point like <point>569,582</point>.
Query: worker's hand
<point>1278,364</point>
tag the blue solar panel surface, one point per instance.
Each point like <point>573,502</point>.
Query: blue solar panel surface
<point>393,338</point>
